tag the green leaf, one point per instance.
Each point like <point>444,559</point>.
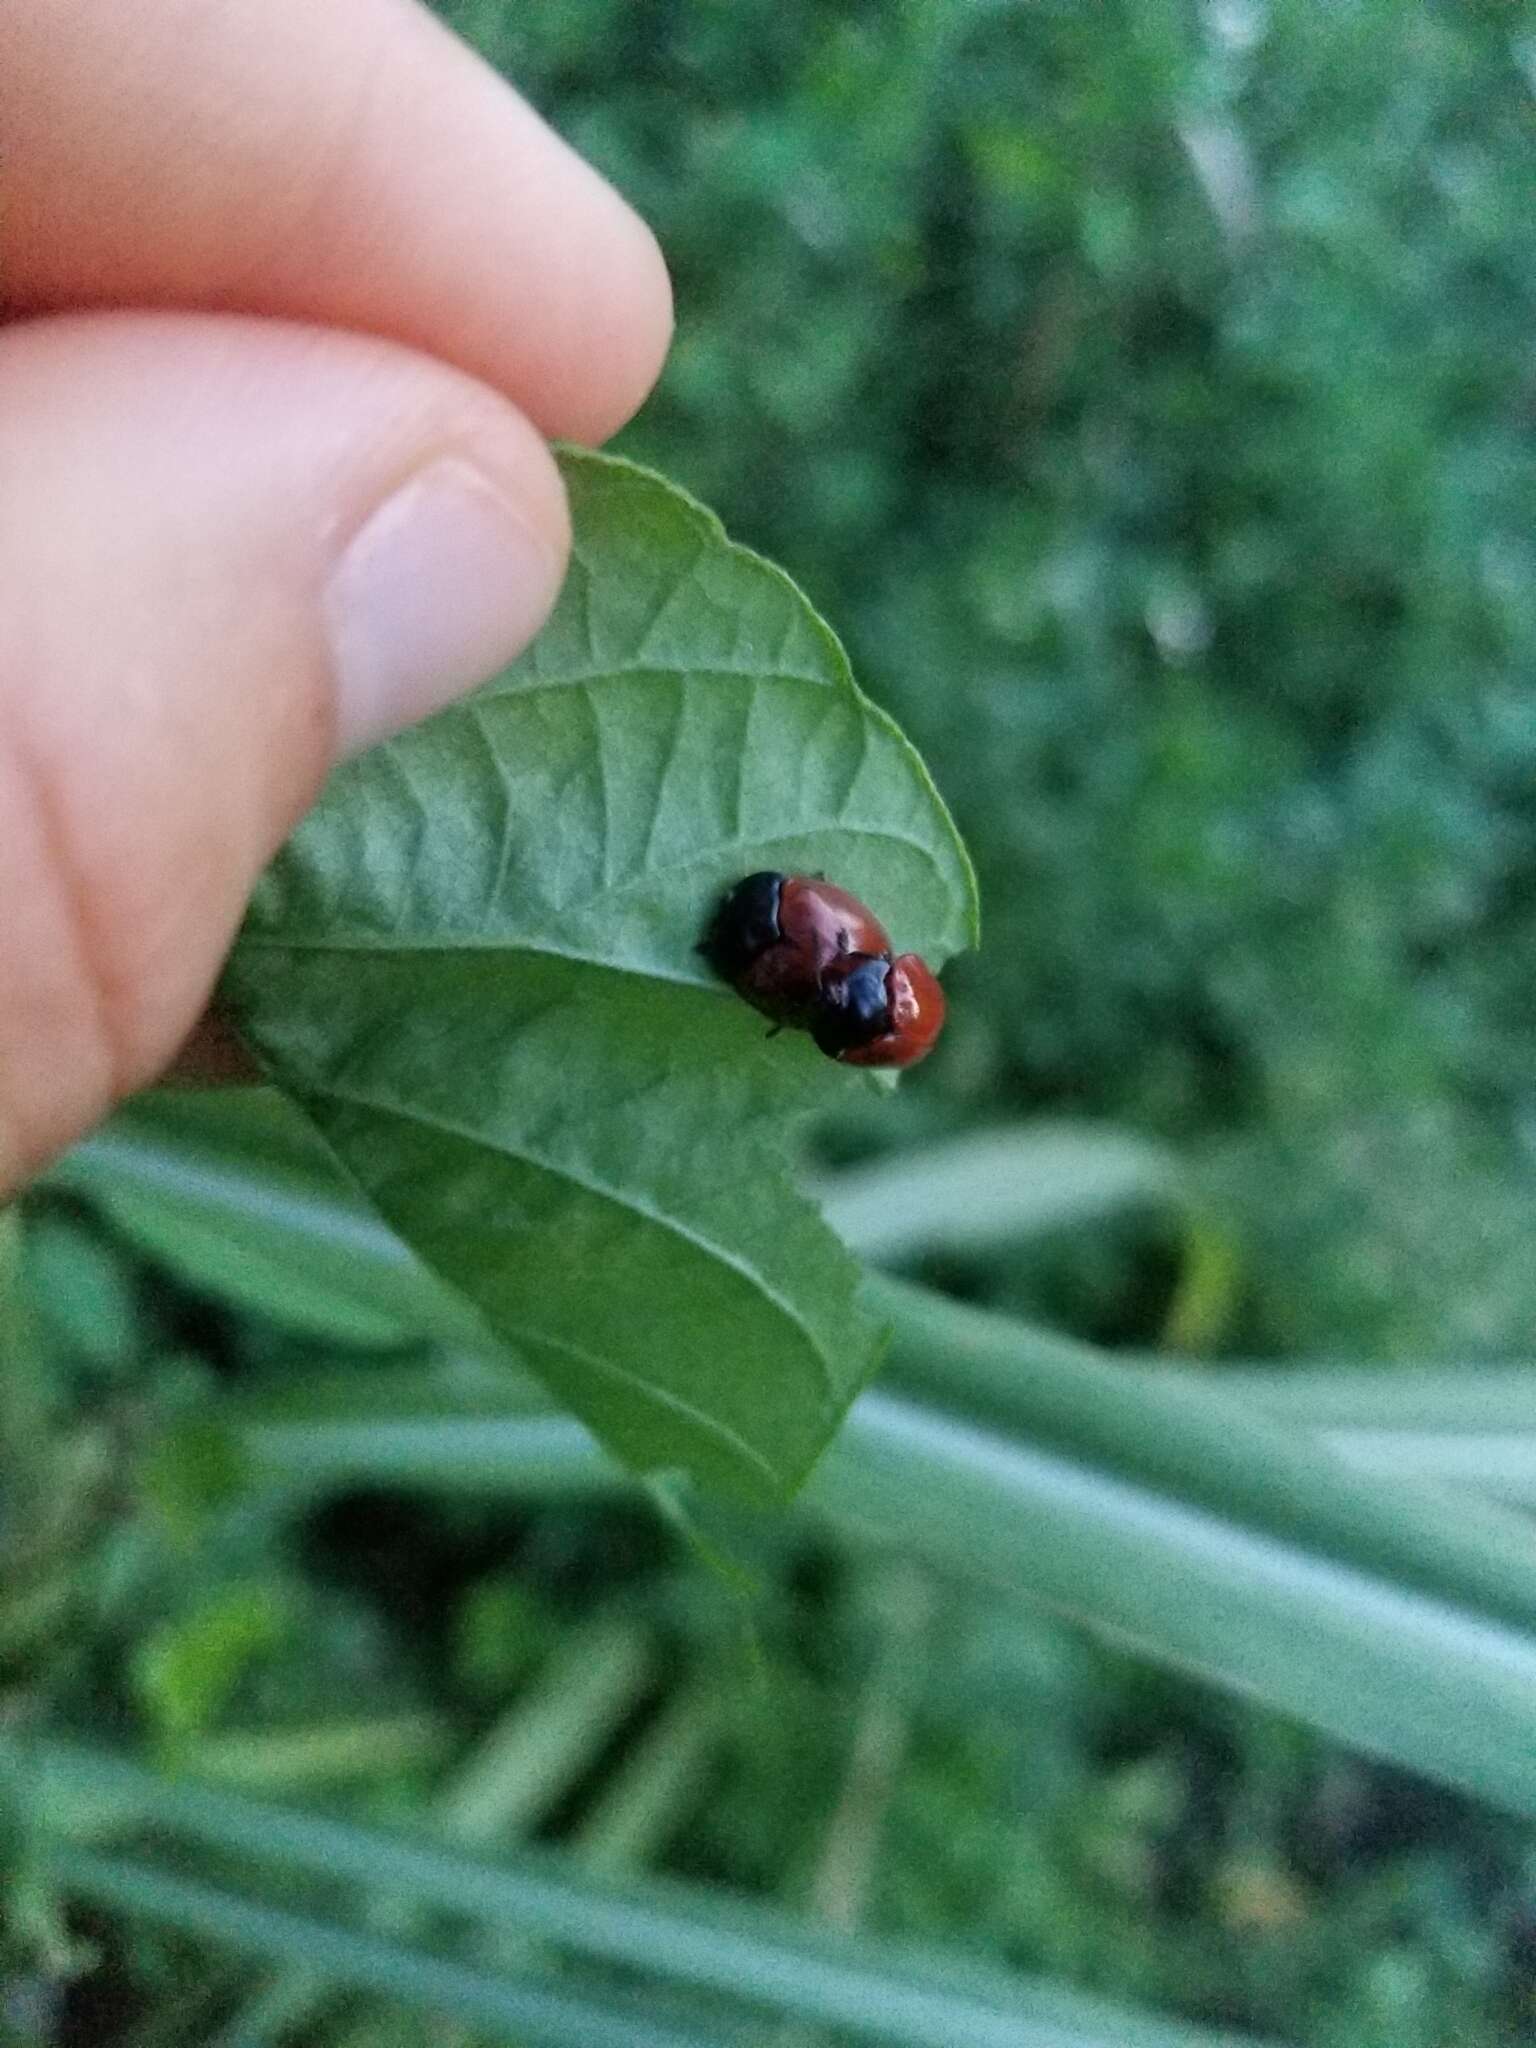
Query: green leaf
<point>475,966</point>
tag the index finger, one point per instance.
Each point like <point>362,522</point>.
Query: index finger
<point>348,163</point>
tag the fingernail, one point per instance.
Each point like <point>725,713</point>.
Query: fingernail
<point>441,587</point>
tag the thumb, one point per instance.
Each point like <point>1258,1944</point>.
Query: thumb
<point>230,551</point>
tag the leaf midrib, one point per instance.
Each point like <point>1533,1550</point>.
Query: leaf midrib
<point>470,942</point>
<point>658,671</point>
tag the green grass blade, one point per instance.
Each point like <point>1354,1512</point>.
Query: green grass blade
<point>874,1990</point>
<point>1454,1398</point>
<point>647,1796</point>
<point>1438,1687</point>
<point>569,1712</point>
<point>1436,1679</point>
<point>236,1190</point>
<point>1185,1439</point>
<point>1381,1613</point>
<point>994,1188</point>
<point>1472,1426</point>
<point>324,1753</point>
<point>532,2014</point>
<point>524,1765</point>
<point>547,1456</point>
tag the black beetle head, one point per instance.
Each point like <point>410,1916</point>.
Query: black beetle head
<point>854,1007</point>
<point>745,925</point>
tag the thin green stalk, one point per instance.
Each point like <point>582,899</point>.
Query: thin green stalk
<point>850,1852</point>
<point>639,1806</point>
<point>327,1752</point>
<point>536,1752</point>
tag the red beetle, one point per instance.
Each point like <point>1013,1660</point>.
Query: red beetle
<point>879,1012</point>
<point>775,936</point>
<point>812,957</point>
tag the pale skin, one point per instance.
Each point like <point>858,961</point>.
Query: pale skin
<point>293,294</point>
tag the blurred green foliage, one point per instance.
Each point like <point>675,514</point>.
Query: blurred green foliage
<point>860,1742</point>
<point>1145,392</point>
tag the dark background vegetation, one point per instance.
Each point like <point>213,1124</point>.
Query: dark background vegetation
<point>1145,392</point>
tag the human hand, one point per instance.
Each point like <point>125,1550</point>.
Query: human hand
<point>291,295</point>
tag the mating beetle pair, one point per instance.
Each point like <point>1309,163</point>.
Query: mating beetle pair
<point>814,958</point>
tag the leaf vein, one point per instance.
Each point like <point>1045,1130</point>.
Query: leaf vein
<point>668,594</point>
<point>728,671</point>
<point>670,752</point>
<point>711,1425</point>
